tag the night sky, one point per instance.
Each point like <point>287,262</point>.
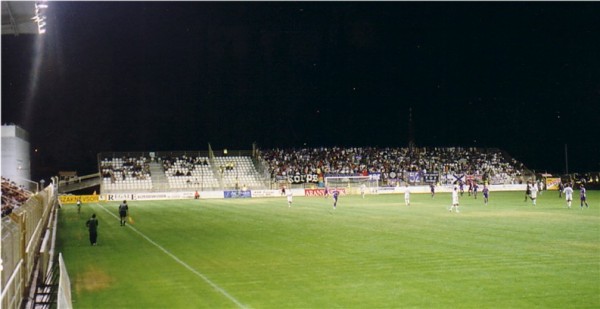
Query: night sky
<point>155,76</point>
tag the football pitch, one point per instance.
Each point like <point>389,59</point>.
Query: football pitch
<point>368,253</point>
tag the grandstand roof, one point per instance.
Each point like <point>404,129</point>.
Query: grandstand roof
<point>18,17</point>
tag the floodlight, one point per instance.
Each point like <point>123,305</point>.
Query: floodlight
<point>40,17</point>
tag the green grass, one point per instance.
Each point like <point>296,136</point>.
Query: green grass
<point>368,253</point>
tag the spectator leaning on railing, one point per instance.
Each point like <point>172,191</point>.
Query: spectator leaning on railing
<point>13,196</point>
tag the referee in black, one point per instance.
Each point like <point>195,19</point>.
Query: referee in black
<point>92,225</point>
<point>123,210</point>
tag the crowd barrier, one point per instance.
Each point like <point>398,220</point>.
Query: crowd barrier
<point>23,234</point>
<point>64,286</point>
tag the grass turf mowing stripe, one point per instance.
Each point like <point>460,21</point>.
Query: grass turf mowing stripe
<point>182,263</point>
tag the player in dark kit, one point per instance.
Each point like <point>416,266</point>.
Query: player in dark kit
<point>583,197</point>
<point>123,210</point>
<point>335,194</point>
<point>486,193</point>
<point>432,189</point>
<point>561,188</point>
<point>527,191</point>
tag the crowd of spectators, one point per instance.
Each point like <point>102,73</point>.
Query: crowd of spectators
<point>385,161</point>
<point>125,168</point>
<point>393,164</point>
<point>182,166</point>
<point>13,196</point>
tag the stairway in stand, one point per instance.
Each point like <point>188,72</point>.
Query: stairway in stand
<point>159,179</point>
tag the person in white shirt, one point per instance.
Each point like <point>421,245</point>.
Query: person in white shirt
<point>534,191</point>
<point>568,191</point>
<point>407,196</point>
<point>289,197</point>
<point>454,200</point>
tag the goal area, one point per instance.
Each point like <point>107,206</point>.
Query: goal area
<point>353,184</point>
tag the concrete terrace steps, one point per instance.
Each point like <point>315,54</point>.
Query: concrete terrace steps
<point>157,173</point>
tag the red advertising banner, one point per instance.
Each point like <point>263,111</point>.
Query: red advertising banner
<point>477,178</point>
<point>321,192</point>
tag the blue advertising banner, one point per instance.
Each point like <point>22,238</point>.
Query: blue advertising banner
<point>237,194</point>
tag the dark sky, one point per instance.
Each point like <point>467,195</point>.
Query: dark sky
<point>152,76</point>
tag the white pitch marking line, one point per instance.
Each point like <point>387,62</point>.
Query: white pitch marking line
<point>197,273</point>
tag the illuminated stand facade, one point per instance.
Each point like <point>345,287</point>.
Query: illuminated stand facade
<point>16,165</point>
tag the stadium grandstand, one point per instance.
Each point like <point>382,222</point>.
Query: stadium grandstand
<point>127,172</point>
<point>187,172</point>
